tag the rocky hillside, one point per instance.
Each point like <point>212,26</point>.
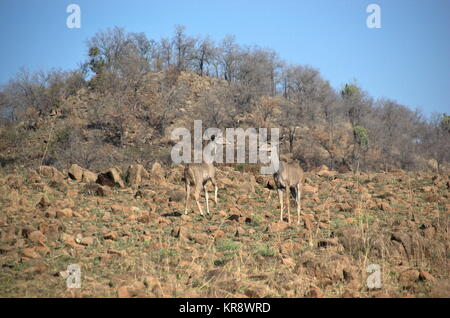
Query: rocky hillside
<point>126,230</point>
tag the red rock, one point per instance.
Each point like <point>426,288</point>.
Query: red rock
<point>37,237</point>
<point>111,236</point>
<point>279,226</point>
<point>64,213</point>
<point>408,277</point>
<point>122,292</point>
<point>199,238</point>
<point>30,253</point>
<point>426,276</point>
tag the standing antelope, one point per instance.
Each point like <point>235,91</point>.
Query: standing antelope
<point>289,176</point>
<point>197,175</point>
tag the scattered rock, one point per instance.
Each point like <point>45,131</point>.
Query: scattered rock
<point>89,176</point>
<point>37,237</point>
<point>199,238</point>
<point>425,276</point>
<point>279,226</point>
<point>96,189</point>
<point>177,196</point>
<point>308,221</point>
<point>122,292</point>
<point>30,253</point>
<point>64,213</point>
<point>75,172</point>
<point>50,172</point>
<point>135,174</point>
<point>314,292</point>
<point>43,203</point>
<point>89,240</point>
<point>111,178</point>
<point>409,277</point>
<point>111,236</point>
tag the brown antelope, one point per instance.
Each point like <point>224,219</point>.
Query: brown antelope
<point>197,175</point>
<point>289,176</point>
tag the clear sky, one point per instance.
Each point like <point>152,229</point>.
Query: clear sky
<point>407,60</point>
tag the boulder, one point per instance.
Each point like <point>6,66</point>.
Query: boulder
<point>111,178</point>
<point>89,176</point>
<point>75,172</point>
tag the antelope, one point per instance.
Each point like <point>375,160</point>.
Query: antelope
<point>197,175</point>
<point>289,175</point>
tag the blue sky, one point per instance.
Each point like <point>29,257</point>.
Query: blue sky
<point>407,60</point>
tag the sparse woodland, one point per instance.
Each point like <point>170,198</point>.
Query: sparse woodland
<point>129,93</point>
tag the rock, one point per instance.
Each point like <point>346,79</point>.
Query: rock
<point>122,292</point>
<point>384,206</point>
<point>51,213</point>
<point>120,209</point>
<point>279,226</point>
<point>75,172</point>
<point>89,176</point>
<point>116,252</point>
<point>157,169</point>
<point>96,189</point>
<point>135,174</point>
<point>409,277</point>
<point>6,248</point>
<point>177,196</point>
<point>308,221</point>
<point>89,240</point>
<point>37,237</point>
<point>326,242</point>
<point>111,236</point>
<point>50,172</point>
<point>37,269</point>
<point>64,213</point>
<point>179,232</point>
<point>425,276</point>
<point>199,238</point>
<point>44,203</point>
<point>111,178</point>
<point>328,269</point>
<point>30,253</point>
<point>247,187</point>
<point>381,294</point>
<point>307,188</point>
<point>440,289</point>
<point>42,249</point>
<point>58,184</point>
<point>314,292</point>
<point>256,291</point>
<point>323,171</point>
<point>70,241</point>
<point>288,261</point>
<point>218,234</point>
<point>137,289</point>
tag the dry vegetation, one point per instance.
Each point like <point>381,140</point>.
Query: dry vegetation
<point>134,240</point>
<point>376,192</point>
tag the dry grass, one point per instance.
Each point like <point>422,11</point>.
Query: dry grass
<point>357,220</point>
